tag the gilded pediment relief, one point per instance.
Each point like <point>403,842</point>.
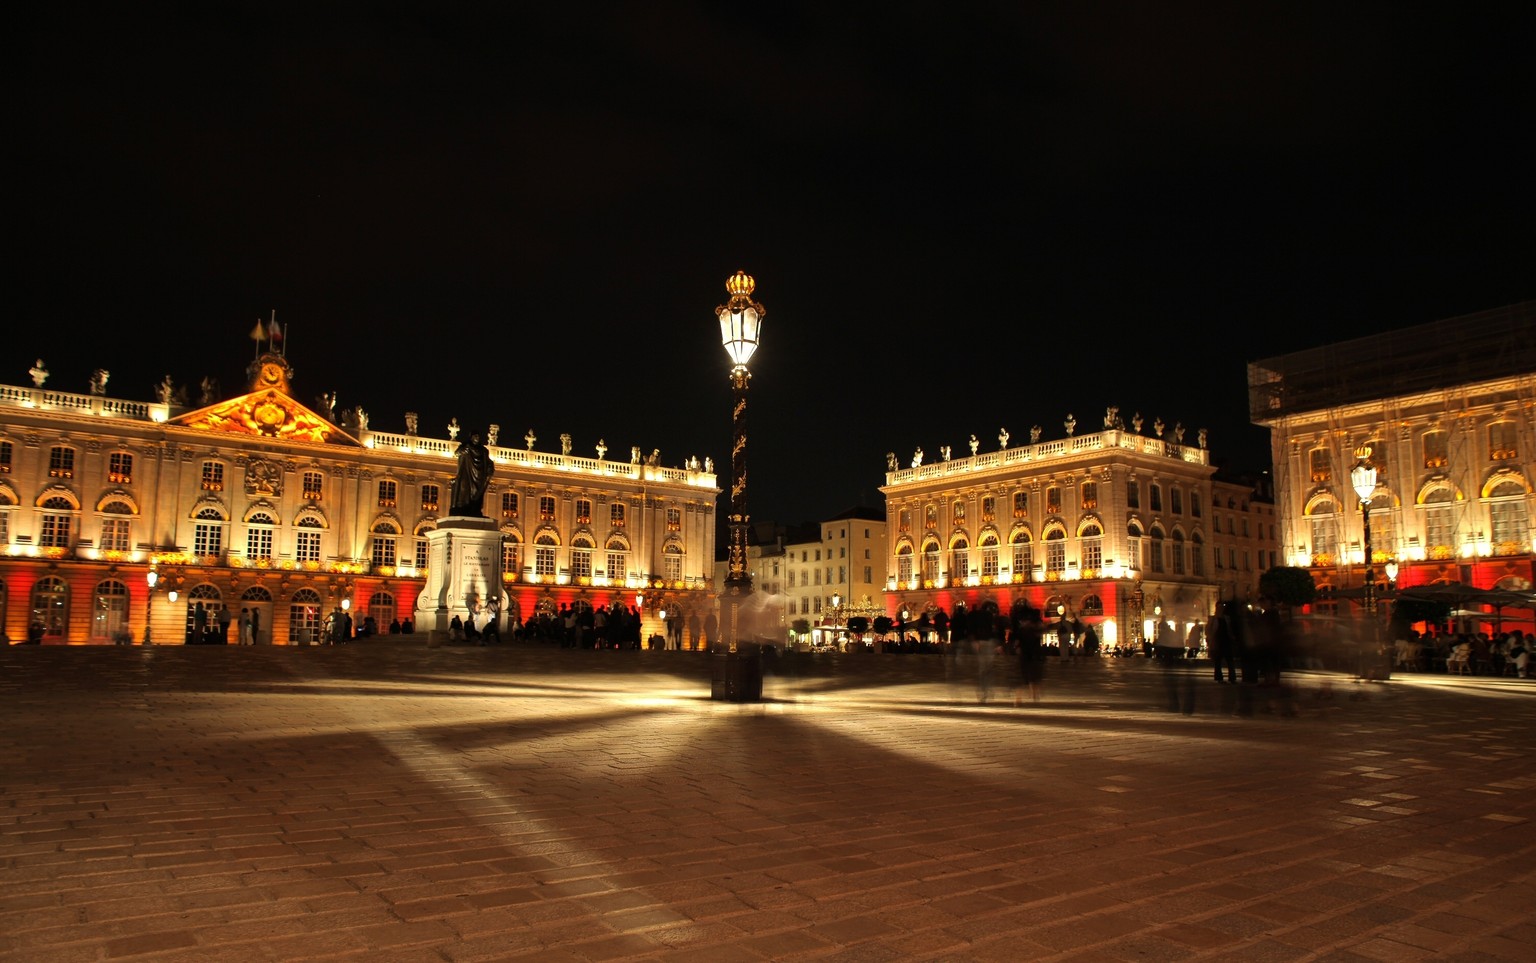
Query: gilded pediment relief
<point>266,413</point>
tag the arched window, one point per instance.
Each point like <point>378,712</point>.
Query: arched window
<point>1023,555</point>
<point>109,611</point>
<point>116,518</point>
<point>384,543</point>
<point>545,547</point>
<point>1439,522</point>
<point>1323,517</point>
<point>211,600</point>
<point>960,561</point>
<point>672,560</point>
<point>306,546</point>
<point>258,536</point>
<point>1136,546</point>
<point>511,554</point>
<point>381,607</point>
<point>50,606</point>
<point>55,522</point>
<point>1055,539</point>
<point>581,558</point>
<point>1156,556</point>
<point>931,562</point>
<point>1090,538</point>
<point>903,564</point>
<point>304,617</point>
<point>1508,518</point>
<point>616,560</point>
<point>208,533</point>
<point>1090,605</point>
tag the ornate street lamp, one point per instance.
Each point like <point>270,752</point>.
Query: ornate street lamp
<point>837,612</point>
<point>151,577</point>
<point>1363,478</point>
<point>741,321</point>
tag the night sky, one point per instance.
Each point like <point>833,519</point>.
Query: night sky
<point>961,216</point>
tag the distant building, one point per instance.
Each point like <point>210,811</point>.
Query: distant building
<point>1110,528</point>
<point>263,503</point>
<point>1444,412</point>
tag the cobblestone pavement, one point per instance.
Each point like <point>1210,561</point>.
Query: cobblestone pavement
<point>385,801</point>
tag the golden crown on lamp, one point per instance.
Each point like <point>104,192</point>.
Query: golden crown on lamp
<point>740,283</point>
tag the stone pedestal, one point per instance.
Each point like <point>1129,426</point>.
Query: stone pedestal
<point>463,574</point>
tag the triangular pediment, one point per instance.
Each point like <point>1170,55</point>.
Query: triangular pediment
<point>266,413</point>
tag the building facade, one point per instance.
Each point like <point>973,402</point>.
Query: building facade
<point>1110,529</point>
<point>1444,414</point>
<point>1245,539</point>
<point>258,502</point>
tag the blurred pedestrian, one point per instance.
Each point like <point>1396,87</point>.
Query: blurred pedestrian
<point>1028,632</point>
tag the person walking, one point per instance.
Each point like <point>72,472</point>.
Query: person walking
<point>1221,645</point>
<point>223,620</point>
<point>1028,633</point>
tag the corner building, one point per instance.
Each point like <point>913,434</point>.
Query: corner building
<point>1445,412</point>
<point>260,502</point>
<point>1108,529</point>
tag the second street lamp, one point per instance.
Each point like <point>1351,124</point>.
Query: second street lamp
<point>1363,478</point>
<point>738,673</point>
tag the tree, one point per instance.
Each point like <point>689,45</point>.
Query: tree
<point>1288,585</point>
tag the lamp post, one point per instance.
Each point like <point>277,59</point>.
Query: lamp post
<point>1363,478</point>
<point>837,612</point>
<point>152,578</point>
<point>741,321</point>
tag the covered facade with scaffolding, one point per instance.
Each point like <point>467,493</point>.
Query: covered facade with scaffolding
<point>1444,413</point>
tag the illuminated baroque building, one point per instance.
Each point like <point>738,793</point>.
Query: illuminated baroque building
<point>1443,412</point>
<point>260,502</point>
<point>1109,528</point>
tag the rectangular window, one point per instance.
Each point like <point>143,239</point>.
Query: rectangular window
<point>673,565</point>
<point>960,567</point>
<point>208,539</point>
<point>509,504</point>
<point>61,462</point>
<point>544,561</point>
<point>314,485</point>
<point>258,543</point>
<point>1156,494</point>
<point>1439,531</point>
<point>1156,552</point>
<point>419,554</point>
<point>1176,553</point>
<point>1176,500</point>
<point>120,468</point>
<point>1093,554</point>
<point>546,508</point>
<point>1053,500</point>
<point>1023,559</point>
<point>581,562</point>
<point>307,547</point>
<point>1436,449</point>
<point>386,494</point>
<point>511,557</point>
<point>1197,559</point>
<point>617,569</point>
<point>1056,555</point>
<point>988,508</point>
<point>429,494</point>
<point>674,520</point>
<point>382,551</point>
<point>616,514</point>
<point>1132,494</point>
<point>5,457</point>
<point>55,531</point>
<point>583,511</point>
<point>1322,465</point>
<point>114,535</point>
<point>213,476</point>
<point>1501,443</point>
<point>1090,493</point>
<point>989,561</point>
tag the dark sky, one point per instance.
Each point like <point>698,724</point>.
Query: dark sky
<point>961,216</point>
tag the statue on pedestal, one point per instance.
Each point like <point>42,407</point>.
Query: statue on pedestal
<point>467,494</point>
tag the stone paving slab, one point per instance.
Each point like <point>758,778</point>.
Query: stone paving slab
<point>385,801</point>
